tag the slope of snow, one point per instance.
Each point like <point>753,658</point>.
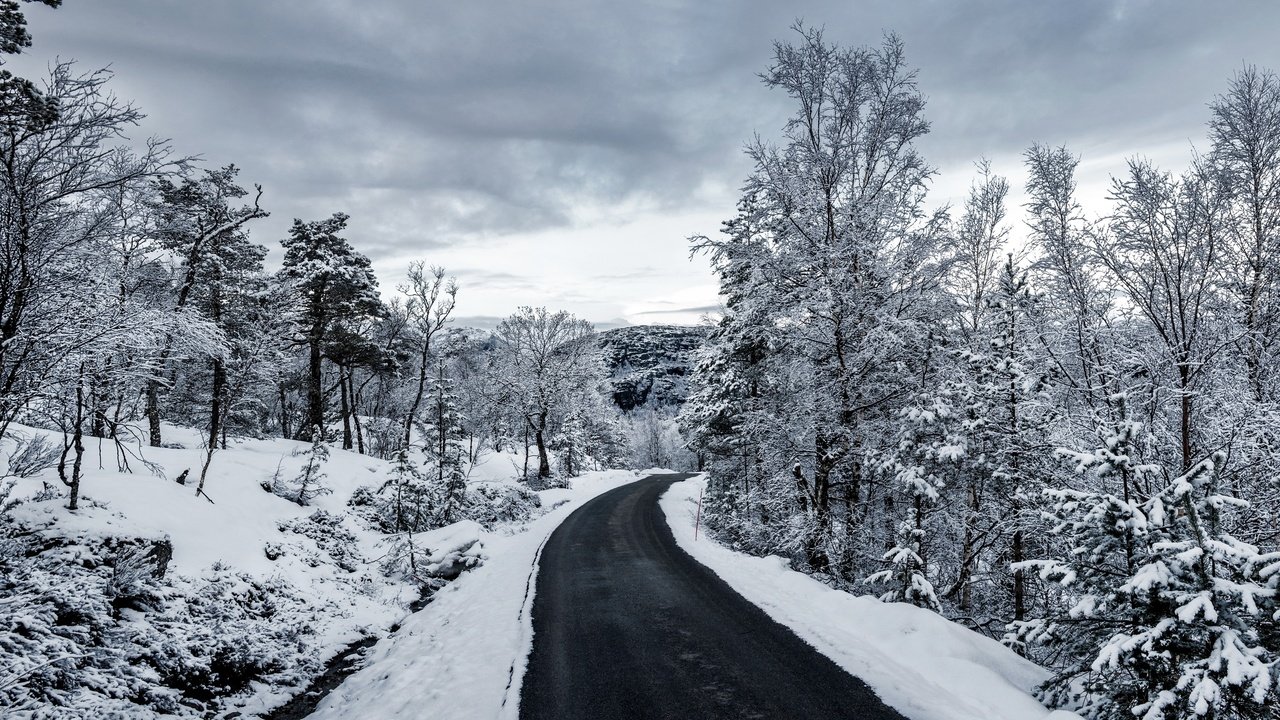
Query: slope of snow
<point>918,662</point>
<point>231,527</point>
<point>463,656</point>
<point>246,530</point>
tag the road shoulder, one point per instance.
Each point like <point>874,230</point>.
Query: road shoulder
<point>919,663</point>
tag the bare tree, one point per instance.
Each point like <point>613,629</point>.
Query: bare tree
<point>1245,131</point>
<point>430,302</point>
<point>544,358</point>
<point>53,178</point>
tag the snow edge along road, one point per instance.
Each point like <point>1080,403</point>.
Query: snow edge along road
<point>515,679</point>
<point>919,663</point>
<point>462,657</point>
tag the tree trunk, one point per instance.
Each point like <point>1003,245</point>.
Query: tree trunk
<point>215,418</point>
<point>544,463</point>
<point>355,412</point>
<point>153,411</point>
<point>284,414</point>
<point>1184,383</point>
<point>315,390</point>
<point>1019,580</point>
<point>967,551</point>
<point>347,443</point>
<point>77,443</point>
<point>524,477</point>
<point>98,400</point>
<point>417,395</point>
<point>823,467</point>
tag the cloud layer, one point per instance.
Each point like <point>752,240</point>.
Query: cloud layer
<point>559,152</point>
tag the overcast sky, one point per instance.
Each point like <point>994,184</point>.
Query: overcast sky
<point>560,153</point>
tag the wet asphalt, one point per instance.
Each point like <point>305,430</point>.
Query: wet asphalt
<point>629,626</point>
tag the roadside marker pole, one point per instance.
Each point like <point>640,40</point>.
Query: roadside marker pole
<point>698,518</point>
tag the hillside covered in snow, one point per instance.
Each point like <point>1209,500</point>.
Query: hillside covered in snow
<point>650,363</point>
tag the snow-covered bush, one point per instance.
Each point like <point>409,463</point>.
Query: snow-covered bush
<point>493,504</point>
<point>330,536</point>
<point>434,558</point>
<point>96,627</point>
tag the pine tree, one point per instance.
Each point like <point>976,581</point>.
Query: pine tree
<point>443,444</point>
<point>332,283</point>
<point>1163,613</point>
<point>216,266</point>
<point>308,484</point>
<point>907,578</point>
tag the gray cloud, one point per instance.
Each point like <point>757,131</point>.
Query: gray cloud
<point>438,124</point>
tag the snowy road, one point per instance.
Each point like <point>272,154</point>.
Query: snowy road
<point>627,625</point>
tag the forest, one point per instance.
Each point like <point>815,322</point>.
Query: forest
<point>1067,443</point>
<point>1053,425</point>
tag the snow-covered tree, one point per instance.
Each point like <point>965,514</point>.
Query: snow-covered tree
<point>542,359</point>
<point>906,577</point>
<point>431,299</point>
<point>332,284</point>
<point>443,438</point>
<point>1244,128</point>
<point>309,483</point>
<point>1164,616</point>
<point>56,202</point>
<point>215,263</point>
<point>837,254</point>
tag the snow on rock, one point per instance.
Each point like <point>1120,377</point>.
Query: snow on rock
<point>650,363</point>
<point>918,662</point>
<point>462,657</point>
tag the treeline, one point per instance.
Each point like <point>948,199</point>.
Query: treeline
<point>1068,443</point>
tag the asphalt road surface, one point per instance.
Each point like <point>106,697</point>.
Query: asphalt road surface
<point>628,626</point>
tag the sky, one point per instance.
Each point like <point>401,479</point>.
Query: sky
<point>562,152</point>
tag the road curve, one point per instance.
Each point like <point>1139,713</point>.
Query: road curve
<point>628,626</point>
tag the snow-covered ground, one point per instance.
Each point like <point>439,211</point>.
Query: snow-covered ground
<point>317,567</point>
<point>241,537</point>
<point>463,656</point>
<point>921,664</point>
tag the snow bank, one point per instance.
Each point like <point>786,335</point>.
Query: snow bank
<point>918,662</point>
<point>463,656</point>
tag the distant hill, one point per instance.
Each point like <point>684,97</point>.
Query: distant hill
<point>650,361</point>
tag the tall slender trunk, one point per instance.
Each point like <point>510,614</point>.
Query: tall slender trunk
<point>347,442</point>
<point>284,414</point>
<point>216,404</point>
<point>153,412</point>
<point>1185,408</point>
<point>544,462</point>
<point>968,553</point>
<point>1019,581</point>
<point>418,392</point>
<point>315,390</point>
<point>77,443</point>
<point>823,467</point>
<point>99,398</point>
<point>355,412</point>
<point>525,473</point>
